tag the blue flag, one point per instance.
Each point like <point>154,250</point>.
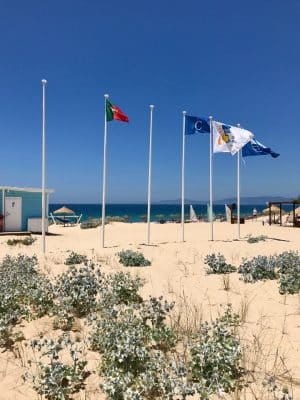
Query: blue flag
<point>196,125</point>
<point>255,148</point>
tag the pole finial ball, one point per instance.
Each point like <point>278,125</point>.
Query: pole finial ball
<point>151,106</point>
<point>210,117</point>
<point>183,112</point>
<point>106,96</point>
<point>44,81</point>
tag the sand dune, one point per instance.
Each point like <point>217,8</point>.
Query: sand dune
<point>178,273</point>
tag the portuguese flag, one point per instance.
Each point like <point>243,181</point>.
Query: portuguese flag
<point>114,113</point>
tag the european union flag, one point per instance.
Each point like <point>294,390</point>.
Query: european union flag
<point>196,125</point>
<point>255,148</point>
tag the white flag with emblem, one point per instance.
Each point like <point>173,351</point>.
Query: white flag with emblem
<point>229,139</point>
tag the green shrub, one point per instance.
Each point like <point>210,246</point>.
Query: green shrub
<point>75,258</point>
<point>288,264</point>
<point>54,379</point>
<point>256,239</point>
<point>95,222</point>
<point>217,264</point>
<point>116,218</point>
<point>91,223</point>
<point>131,258</point>
<point>27,241</point>
<point>258,268</point>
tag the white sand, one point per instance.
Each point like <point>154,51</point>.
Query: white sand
<point>178,273</point>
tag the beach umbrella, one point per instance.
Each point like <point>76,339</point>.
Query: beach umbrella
<point>297,211</point>
<point>64,210</point>
<point>274,210</point>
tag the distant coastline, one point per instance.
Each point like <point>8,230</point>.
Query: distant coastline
<point>251,200</point>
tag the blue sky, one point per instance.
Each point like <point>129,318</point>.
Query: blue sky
<point>238,61</point>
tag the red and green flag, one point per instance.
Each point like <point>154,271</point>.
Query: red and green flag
<point>114,113</point>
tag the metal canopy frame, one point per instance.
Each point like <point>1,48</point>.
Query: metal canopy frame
<point>280,203</point>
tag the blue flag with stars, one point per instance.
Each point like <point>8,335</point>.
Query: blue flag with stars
<point>255,148</point>
<point>196,125</point>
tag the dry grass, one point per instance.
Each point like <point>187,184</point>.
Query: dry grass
<point>225,282</point>
<point>186,317</point>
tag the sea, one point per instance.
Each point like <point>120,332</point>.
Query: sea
<point>137,212</point>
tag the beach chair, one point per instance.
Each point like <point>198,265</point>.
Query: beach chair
<point>66,220</point>
<point>75,221</point>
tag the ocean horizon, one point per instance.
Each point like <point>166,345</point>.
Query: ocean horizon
<point>137,212</point>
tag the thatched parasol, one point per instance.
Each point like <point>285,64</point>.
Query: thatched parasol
<point>64,210</point>
<point>274,210</point>
<point>297,211</point>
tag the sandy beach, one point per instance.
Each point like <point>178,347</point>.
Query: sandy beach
<point>271,329</point>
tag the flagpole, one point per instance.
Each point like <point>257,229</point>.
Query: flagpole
<point>238,192</point>
<point>149,173</point>
<point>106,96</point>
<point>182,174</point>
<point>44,82</point>
<point>210,179</point>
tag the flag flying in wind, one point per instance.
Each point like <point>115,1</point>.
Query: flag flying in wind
<point>196,125</point>
<point>255,148</point>
<point>229,139</point>
<point>114,113</point>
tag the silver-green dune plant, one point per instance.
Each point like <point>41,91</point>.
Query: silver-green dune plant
<point>288,264</point>
<point>256,239</point>
<point>142,356</point>
<point>216,356</point>
<point>258,268</point>
<point>217,264</point>
<point>131,258</point>
<point>135,342</point>
<point>91,223</point>
<point>55,379</point>
<point>285,266</point>
<point>27,241</point>
<point>139,349</point>
<point>25,293</point>
<point>117,218</point>
<point>76,258</point>
<point>120,288</point>
<point>76,294</point>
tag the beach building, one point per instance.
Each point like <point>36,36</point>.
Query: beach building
<point>21,209</point>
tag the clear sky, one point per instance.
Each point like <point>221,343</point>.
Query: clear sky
<point>238,61</point>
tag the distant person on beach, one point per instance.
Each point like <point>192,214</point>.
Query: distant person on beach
<point>254,213</point>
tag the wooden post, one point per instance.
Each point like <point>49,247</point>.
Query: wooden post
<point>294,215</point>
<point>270,214</point>
<point>280,215</point>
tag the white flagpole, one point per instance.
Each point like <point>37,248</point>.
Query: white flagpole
<point>211,178</point>
<point>104,172</point>
<point>182,174</point>
<point>238,192</point>
<point>44,82</point>
<point>149,173</point>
